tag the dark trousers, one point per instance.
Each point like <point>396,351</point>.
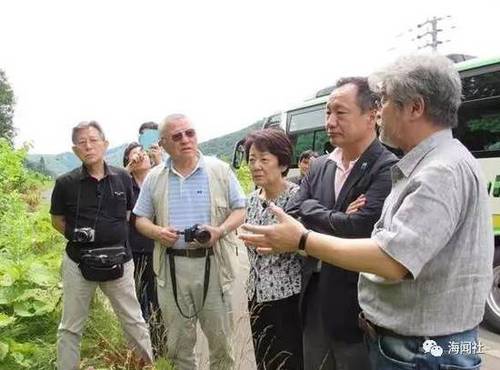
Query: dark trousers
<point>276,332</point>
<point>145,284</point>
<point>321,352</point>
<point>316,343</point>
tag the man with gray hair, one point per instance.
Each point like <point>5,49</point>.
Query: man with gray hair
<point>427,268</point>
<point>199,198</point>
<point>90,206</point>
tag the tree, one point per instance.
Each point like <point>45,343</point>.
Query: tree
<point>7,103</point>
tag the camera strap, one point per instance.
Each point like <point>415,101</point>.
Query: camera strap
<point>206,281</point>
<point>99,204</point>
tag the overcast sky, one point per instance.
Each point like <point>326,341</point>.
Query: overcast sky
<point>224,63</point>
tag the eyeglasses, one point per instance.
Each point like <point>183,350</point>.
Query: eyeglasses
<point>91,142</point>
<point>190,133</point>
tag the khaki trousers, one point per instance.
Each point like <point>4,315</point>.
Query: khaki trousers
<point>77,295</point>
<point>215,317</point>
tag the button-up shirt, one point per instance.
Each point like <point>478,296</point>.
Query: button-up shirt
<point>436,222</point>
<point>341,173</point>
<point>276,276</point>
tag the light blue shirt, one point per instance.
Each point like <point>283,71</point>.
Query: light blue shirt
<point>188,198</point>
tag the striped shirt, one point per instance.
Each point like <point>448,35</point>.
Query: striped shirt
<point>188,198</point>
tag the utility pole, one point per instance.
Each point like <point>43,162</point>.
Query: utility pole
<point>433,32</point>
<point>428,32</point>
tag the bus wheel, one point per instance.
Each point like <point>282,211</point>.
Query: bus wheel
<point>492,311</point>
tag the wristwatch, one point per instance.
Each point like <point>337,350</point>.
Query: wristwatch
<point>302,243</point>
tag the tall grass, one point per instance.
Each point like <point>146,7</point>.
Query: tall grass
<point>30,286</point>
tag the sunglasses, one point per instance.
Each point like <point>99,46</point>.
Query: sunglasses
<point>190,133</point>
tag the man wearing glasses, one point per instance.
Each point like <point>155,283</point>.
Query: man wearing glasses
<point>196,204</point>
<point>90,207</point>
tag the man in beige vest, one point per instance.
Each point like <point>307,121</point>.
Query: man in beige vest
<point>195,276</point>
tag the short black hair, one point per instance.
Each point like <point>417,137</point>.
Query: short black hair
<point>274,141</point>
<point>367,99</point>
<point>148,125</point>
<point>308,154</point>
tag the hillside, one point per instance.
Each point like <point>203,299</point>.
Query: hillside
<point>57,164</point>
<point>222,147</point>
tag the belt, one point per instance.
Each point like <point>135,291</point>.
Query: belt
<point>372,330</point>
<point>191,252</point>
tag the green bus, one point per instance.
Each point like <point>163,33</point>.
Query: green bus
<point>478,129</point>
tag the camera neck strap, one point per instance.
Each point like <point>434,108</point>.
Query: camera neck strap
<point>99,204</point>
<point>206,281</point>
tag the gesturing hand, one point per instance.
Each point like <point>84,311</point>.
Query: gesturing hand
<point>278,238</point>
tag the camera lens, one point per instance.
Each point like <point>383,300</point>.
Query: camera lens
<point>202,236</point>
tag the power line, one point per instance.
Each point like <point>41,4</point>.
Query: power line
<point>433,32</point>
<point>428,31</point>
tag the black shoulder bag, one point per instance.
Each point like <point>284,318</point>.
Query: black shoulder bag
<point>100,264</point>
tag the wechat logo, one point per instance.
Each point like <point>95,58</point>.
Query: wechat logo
<point>430,346</point>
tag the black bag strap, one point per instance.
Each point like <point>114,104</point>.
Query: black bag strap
<point>206,281</point>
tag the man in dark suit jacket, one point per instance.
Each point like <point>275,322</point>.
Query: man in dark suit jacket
<point>343,196</point>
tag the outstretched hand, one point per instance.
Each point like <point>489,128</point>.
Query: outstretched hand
<point>278,238</point>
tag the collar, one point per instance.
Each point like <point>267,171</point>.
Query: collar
<point>336,156</point>
<point>407,164</point>
<point>84,173</point>
<point>199,165</point>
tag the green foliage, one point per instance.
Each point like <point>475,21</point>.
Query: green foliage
<point>30,287</point>
<point>7,103</point>
<point>245,178</point>
<point>40,167</point>
<point>223,146</point>
<point>29,267</point>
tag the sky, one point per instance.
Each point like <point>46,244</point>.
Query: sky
<point>225,64</point>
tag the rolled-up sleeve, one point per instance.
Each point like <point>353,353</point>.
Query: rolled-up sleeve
<point>422,219</point>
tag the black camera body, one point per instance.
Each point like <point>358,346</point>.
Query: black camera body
<point>196,232</point>
<point>84,235</point>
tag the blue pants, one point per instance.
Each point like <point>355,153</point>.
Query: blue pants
<point>450,352</point>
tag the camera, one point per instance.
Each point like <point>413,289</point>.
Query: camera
<point>84,235</point>
<point>195,232</point>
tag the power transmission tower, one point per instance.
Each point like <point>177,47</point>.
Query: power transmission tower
<point>433,32</point>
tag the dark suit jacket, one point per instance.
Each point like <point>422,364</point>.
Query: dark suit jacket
<point>315,204</point>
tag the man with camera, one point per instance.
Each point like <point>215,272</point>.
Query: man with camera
<point>90,207</point>
<point>197,204</point>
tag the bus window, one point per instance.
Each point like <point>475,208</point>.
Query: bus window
<point>479,130</point>
<point>321,143</point>
<point>306,118</point>
<point>479,116</point>
<point>311,140</point>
